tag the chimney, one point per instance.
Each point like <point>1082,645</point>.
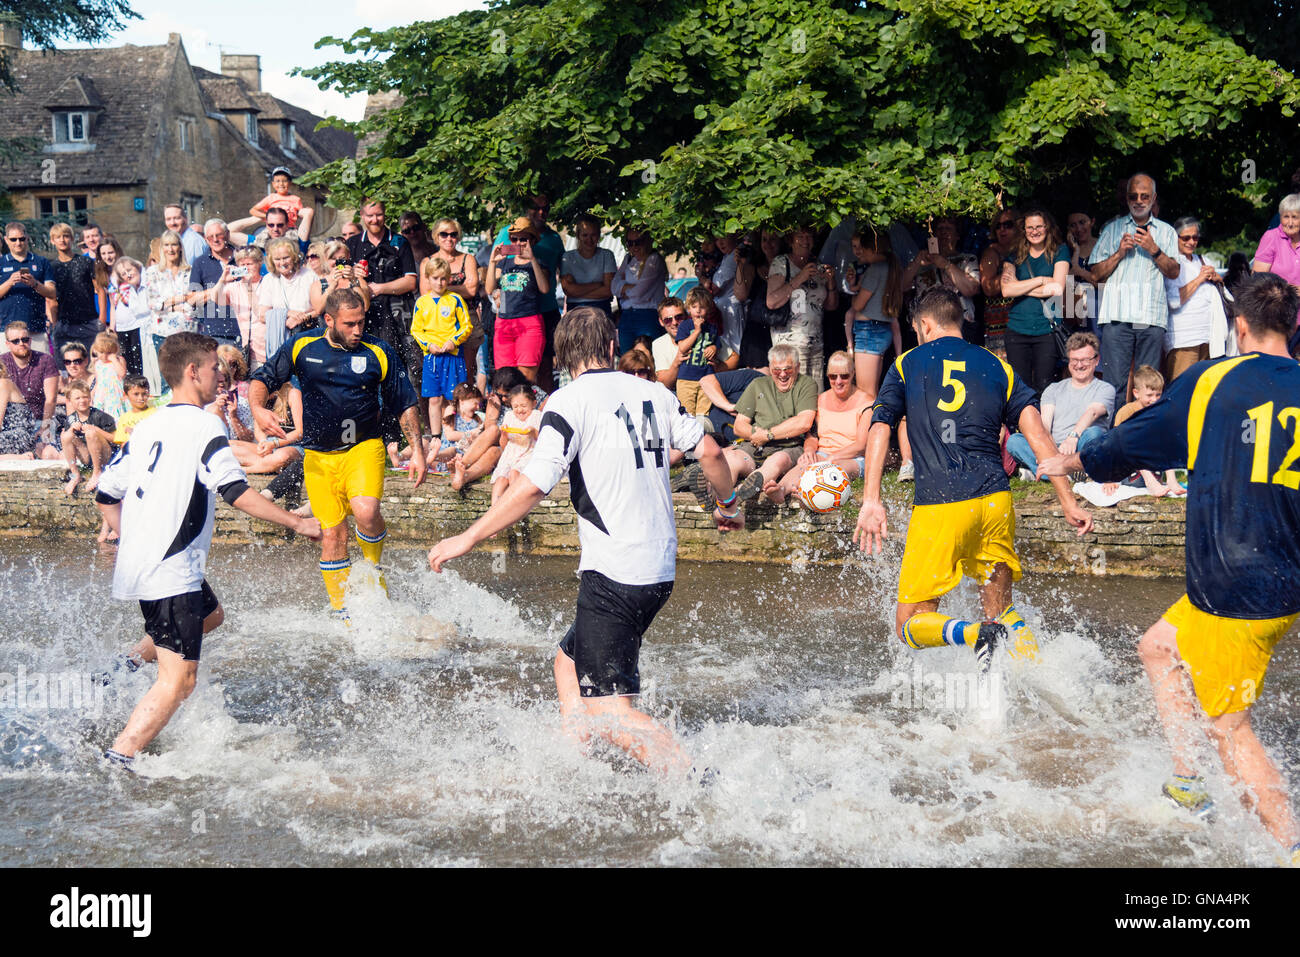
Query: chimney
<point>11,35</point>
<point>243,66</point>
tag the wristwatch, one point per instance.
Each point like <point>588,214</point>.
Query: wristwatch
<point>1072,435</point>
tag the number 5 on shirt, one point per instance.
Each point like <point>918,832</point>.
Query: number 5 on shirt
<point>958,388</point>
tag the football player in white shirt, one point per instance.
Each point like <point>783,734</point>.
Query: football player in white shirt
<point>611,432</point>
<point>156,495</point>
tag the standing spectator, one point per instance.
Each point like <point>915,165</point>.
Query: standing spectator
<point>465,283</point>
<point>284,297</point>
<point>315,260</point>
<point>72,314</point>
<point>949,267</point>
<point>416,234</point>
<point>167,285</point>
<point>751,285</point>
<point>1279,248</point>
<point>108,387</point>
<point>340,275</point>
<point>871,321</point>
<point>441,325</point>
<point>519,339</point>
<point>33,371</point>
<point>1034,276</point>
<point>548,249</point>
<point>192,242</point>
<point>26,282</point>
<point>722,286</point>
<point>390,271</point>
<point>215,319</point>
<point>843,421</point>
<point>587,272</point>
<point>91,240</point>
<point>109,252</point>
<point>130,315</point>
<point>239,293</point>
<point>1133,257</point>
<point>350,229</point>
<point>997,305</point>
<point>809,288</point>
<point>639,285</point>
<point>1077,411</point>
<point>1081,236</point>
<point>698,344</point>
<point>1195,305</point>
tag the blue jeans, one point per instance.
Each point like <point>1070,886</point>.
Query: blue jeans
<point>1124,346</point>
<point>1019,448</point>
<point>636,322</point>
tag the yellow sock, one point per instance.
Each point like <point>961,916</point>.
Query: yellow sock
<point>372,549</point>
<point>1023,643</point>
<point>929,629</point>
<point>336,578</point>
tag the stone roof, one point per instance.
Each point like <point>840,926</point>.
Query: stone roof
<point>226,92</point>
<point>125,81</point>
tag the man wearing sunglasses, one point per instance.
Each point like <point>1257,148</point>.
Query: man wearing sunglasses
<point>26,282</point>
<point>1133,257</point>
<point>34,372</point>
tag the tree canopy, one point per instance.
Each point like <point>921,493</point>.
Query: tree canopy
<point>698,116</point>
<point>46,21</point>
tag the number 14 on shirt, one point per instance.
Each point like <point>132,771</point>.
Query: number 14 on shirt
<point>651,439</point>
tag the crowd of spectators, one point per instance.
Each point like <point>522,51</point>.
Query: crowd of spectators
<point>778,342</point>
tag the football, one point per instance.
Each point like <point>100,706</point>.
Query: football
<point>824,487</point>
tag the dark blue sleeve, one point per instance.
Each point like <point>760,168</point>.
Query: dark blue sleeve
<point>1154,438</point>
<point>398,393</point>
<point>891,401</point>
<point>278,369</point>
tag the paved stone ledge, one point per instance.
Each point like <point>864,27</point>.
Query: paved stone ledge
<point>1141,536</point>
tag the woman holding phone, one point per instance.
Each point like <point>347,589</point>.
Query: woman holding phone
<point>520,336</point>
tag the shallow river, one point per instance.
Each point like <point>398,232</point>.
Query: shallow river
<point>310,743</point>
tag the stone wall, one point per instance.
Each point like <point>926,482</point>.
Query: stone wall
<point>1142,536</point>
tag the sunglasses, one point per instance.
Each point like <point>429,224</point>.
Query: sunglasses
<point>24,340</point>
<point>442,235</point>
<point>16,239</point>
<point>312,256</point>
<point>81,361</point>
<point>835,377</point>
<point>1189,239</point>
<point>673,317</point>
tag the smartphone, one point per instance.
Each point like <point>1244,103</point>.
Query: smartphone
<point>238,272</point>
<point>342,263</point>
<point>511,249</point>
<point>933,245</point>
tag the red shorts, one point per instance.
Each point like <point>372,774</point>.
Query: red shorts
<point>518,342</point>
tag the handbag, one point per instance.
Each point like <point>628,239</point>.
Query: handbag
<point>759,313</point>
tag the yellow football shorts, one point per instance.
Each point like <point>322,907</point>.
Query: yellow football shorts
<point>948,540</point>
<point>333,478</point>
<point>1227,657</point>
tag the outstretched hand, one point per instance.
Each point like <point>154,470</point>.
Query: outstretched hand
<point>872,528</point>
<point>449,548</point>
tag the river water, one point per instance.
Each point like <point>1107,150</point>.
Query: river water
<point>382,744</point>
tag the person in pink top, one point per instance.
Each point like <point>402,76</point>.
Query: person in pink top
<point>1279,248</point>
<point>843,420</point>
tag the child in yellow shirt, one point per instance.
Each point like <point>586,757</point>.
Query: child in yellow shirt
<point>441,326</point>
<point>139,409</point>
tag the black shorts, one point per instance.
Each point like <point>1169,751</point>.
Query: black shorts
<point>176,623</point>
<point>605,638</point>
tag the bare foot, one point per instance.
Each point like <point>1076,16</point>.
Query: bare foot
<point>303,510</point>
<point>1176,490</point>
<point>393,457</point>
<point>103,533</point>
<point>70,487</point>
<point>457,474</point>
<point>1110,488</point>
<point>94,482</point>
<point>774,492</point>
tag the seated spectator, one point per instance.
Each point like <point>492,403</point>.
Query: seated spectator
<point>35,374</point>
<point>1077,411</point>
<point>138,408</point>
<point>773,417</point>
<point>587,271</point>
<point>645,345</point>
<point>229,406</point>
<point>19,436</point>
<point>87,440</point>
<point>724,390</point>
<point>462,423</point>
<point>267,454</point>
<point>519,428</point>
<point>76,365</point>
<point>842,425</point>
<point>664,349</point>
<point>484,452</point>
<point>1148,386</point>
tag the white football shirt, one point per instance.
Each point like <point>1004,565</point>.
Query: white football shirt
<point>612,432</point>
<point>164,477</point>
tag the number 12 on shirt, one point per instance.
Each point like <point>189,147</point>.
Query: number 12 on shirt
<point>650,438</point>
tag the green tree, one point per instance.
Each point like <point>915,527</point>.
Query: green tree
<point>694,116</point>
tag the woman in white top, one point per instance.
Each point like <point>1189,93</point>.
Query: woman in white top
<point>284,297</point>
<point>639,286</point>
<point>1194,302</point>
<point>808,286</point>
<point>131,315</point>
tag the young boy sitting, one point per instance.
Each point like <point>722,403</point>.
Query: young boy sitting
<point>1148,386</point>
<point>88,439</point>
<point>137,397</point>
<point>441,326</point>
<point>281,198</point>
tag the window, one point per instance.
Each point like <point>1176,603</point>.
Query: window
<point>290,139</point>
<point>71,128</point>
<point>185,134</point>
<point>63,207</point>
<point>250,127</point>
<point>193,206</point>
